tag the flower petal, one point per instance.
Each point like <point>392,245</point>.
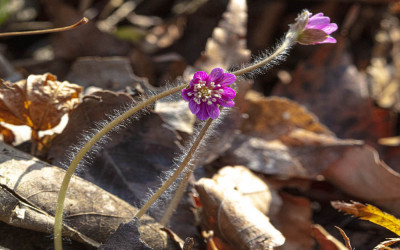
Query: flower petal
<point>194,107</point>
<point>329,40</point>
<point>228,79</point>
<point>202,114</point>
<point>228,94</point>
<point>318,22</point>
<point>185,93</point>
<point>201,75</point>
<point>194,81</point>
<point>216,74</point>
<point>332,27</point>
<point>226,104</point>
<point>213,110</point>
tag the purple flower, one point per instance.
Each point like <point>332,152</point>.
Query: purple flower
<point>207,92</point>
<point>316,30</point>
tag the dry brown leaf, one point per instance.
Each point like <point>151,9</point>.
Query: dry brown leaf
<point>252,188</point>
<point>8,135</point>
<point>38,102</point>
<point>294,222</point>
<point>298,154</point>
<point>325,240</point>
<point>29,189</point>
<point>360,173</point>
<point>272,117</point>
<point>112,73</point>
<point>234,219</point>
<point>281,137</point>
<point>330,86</point>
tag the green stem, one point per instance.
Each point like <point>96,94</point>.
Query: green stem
<point>86,148</point>
<point>178,171</point>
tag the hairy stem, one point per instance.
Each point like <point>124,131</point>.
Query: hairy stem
<point>35,32</point>
<point>177,196</point>
<point>185,180</point>
<point>286,44</point>
<point>86,148</point>
<point>178,171</point>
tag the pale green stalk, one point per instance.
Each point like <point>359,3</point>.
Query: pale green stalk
<point>86,148</point>
<point>177,172</point>
<point>185,180</point>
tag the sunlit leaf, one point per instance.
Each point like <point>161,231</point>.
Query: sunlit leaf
<point>370,213</point>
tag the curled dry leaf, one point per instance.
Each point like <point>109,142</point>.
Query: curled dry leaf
<point>325,240</point>
<point>29,189</point>
<point>38,102</point>
<point>252,188</point>
<point>234,219</point>
<point>370,213</point>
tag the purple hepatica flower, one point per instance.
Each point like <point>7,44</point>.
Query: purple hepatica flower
<point>317,30</point>
<point>207,92</point>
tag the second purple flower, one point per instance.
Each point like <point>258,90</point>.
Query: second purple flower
<point>207,92</point>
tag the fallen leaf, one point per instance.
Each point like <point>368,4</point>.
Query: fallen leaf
<point>272,117</point>
<point>111,73</point>
<point>360,173</point>
<point>228,214</point>
<point>330,86</point>
<point>8,135</point>
<point>294,222</point>
<point>298,154</point>
<point>29,189</point>
<point>252,188</point>
<point>370,213</point>
<point>325,240</point>
<point>38,102</point>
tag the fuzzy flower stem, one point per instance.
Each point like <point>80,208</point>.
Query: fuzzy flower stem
<point>86,148</point>
<point>178,171</point>
<point>35,32</point>
<point>185,180</point>
<point>285,45</point>
<point>177,196</point>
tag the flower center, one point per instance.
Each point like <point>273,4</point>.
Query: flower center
<point>208,94</point>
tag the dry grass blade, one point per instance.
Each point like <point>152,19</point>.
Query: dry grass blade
<point>384,245</point>
<point>345,238</point>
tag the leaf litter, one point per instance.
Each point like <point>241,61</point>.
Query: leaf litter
<point>326,133</point>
